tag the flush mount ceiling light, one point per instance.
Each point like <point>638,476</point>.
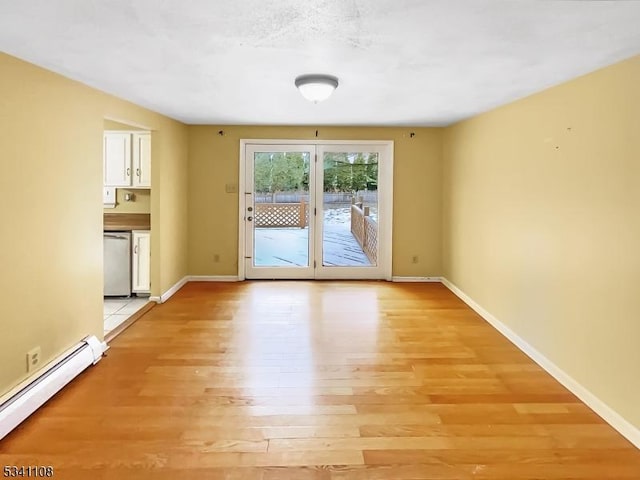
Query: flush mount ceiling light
<point>316,87</point>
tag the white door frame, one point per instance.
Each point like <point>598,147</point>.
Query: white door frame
<point>298,272</point>
<point>385,202</point>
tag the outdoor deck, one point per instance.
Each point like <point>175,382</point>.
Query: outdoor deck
<point>289,247</point>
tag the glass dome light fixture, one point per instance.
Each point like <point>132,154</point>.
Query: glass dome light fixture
<point>316,87</point>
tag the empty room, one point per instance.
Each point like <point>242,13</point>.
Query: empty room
<point>323,240</point>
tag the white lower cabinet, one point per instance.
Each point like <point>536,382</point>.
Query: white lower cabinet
<point>141,261</point>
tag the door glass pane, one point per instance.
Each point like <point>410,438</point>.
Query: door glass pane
<point>281,216</point>
<point>350,209</point>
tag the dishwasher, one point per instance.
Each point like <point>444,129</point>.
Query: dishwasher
<point>117,264</point>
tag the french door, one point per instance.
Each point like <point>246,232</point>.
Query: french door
<point>315,210</point>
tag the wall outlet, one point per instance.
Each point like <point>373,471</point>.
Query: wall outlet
<point>33,359</point>
<point>415,259</point>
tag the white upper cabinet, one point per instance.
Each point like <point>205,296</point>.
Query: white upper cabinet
<point>127,159</point>
<point>141,160</point>
<point>117,159</point>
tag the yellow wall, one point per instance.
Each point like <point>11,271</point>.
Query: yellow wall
<point>169,212</point>
<point>542,225</point>
<point>213,213</point>
<point>51,273</point>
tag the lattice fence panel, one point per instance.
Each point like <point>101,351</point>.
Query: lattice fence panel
<point>357,224</point>
<point>278,215</point>
<point>371,240</point>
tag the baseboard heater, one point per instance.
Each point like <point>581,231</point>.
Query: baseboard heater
<point>26,399</point>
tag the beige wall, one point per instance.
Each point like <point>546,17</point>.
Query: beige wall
<point>51,204</point>
<point>541,202</point>
<point>213,214</point>
<point>169,212</point>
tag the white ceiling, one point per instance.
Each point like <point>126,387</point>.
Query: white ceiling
<point>400,62</point>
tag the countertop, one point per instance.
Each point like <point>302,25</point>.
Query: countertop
<point>126,221</point>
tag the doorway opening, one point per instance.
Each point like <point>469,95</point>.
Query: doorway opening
<point>321,210</point>
<point>126,219</point>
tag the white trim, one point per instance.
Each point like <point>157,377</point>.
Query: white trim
<point>128,123</point>
<point>609,415</point>
<point>310,141</point>
<point>169,293</point>
<point>384,268</point>
<point>416,279</point>
<point>256,272</point>
<point>192,278</point>
<point>129,132</point>
<point>241,207</point>
<point>214,278</point>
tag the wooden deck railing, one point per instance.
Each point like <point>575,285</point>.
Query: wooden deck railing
<point>279,215</point>
<point>365,231</point>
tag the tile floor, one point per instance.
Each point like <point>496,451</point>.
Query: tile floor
<point>117,310</point>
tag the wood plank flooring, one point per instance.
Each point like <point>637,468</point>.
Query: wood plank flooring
<point>317,381</point>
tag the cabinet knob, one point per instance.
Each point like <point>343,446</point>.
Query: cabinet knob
<point>249,218</point>
<point>137,172</point>
<point>128,172</point>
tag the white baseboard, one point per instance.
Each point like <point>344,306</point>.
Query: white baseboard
<point>609,415</point>
<point>192,278</point>
<point>169,293</point>
<point>417,279</point>
<point>213,278</point>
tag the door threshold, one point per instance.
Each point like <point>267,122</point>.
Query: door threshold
<point>129,321</point>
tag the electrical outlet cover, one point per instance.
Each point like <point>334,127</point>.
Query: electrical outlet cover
<point>33,358</point>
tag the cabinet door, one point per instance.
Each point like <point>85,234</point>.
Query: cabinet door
<point>142,160</point>
<point>117,159</point>
<point>141,262</point>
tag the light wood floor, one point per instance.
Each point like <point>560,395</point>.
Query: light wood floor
<point>317,380</point>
